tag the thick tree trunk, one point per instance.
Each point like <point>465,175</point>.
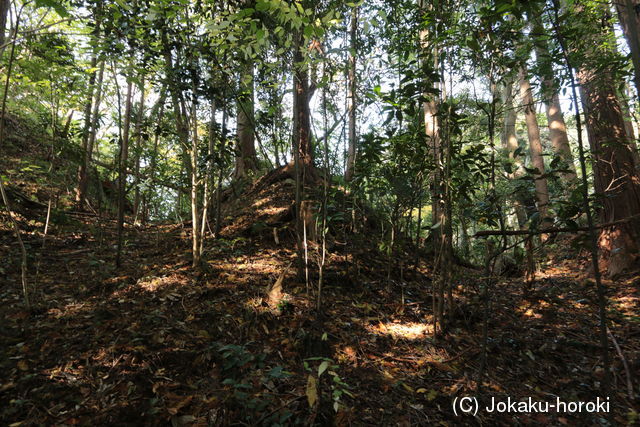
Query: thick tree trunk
<point>617,182</point>
<point>558,136</point>
<point>535,148</point>
<point>555,118</point>
<point>4,11</point>
<point>351,152</point>
<point>246,159</point>
<point>510,143</point>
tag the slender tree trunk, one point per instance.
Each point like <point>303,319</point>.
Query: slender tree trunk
<point>302,113</point>
<point>88,154</point>
<point>630,22</point>
<point>67,125</point>
<point>246,159</point>
<point>223,143</point>
<point>301,144</point>
<point>535,148</point>
<point>157,115</point>
<point>138,148</point>
<point>3,193</point>
<point>122,167</point>
<point>81,190</point>
<point>353,102</point>
<point>195,186</point>
<point>429,53</point>
<point>208,180</point>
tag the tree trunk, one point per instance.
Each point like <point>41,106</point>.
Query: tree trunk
<point>223,143</point>
<point>156,115</point>
<point>301,110</point>
<point>81,190</point>
<point>559,138</point>
<point>616,178</point>
<point>509,138</point>
<point>246,159</point>
<point>95,118</point>
<point>535,148</point>
<point>195,185</point>
<point>208,180</point>
<point>351,152</point>
<point>630,22</point>
<point>300,142</point>
<point>555,118</point>
<point>4,11</point>
<point>138,148</point>
<point>122,173</point>
<point>441,208</point>
<point>510,143</point>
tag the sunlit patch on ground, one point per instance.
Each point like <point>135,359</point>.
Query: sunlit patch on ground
<point>409,330</point>
<point>154,283</point>
<point>628,305</point>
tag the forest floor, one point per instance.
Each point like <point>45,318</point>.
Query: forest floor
<point>152,343</point>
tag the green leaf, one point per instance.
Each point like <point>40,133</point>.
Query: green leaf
<point>55,5</point>
<point>323,367</point>
<point>308,31</point>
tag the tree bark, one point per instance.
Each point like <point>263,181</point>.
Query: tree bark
<point>555,118</point>
<point>616,178</point>
<point>558,136</point>
<point>351,152</point>
<point>81,190</point>
<point>223,143</point>
<point>138,148</point>
<point>246,159</point>
<point>4,11</point>
<point>510,143</point>
<point>301,110</point>
<point>535,148</point>
<point>630,22</point>
<point>122,174</point>
<point>195,185</point>
<point>156,115</point>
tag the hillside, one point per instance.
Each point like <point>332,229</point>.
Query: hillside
<point>243,343</point>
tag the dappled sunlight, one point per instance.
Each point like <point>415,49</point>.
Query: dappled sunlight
<point>153,283</point>
<point>628,305</point>
<point>410,331</point>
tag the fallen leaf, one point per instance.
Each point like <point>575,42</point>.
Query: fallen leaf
<point>407,387</point>
<point>312,391</point>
